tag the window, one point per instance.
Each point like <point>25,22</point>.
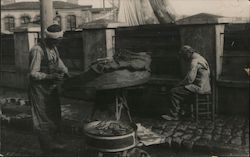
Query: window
<point>9,23</point>
<point>25,20</point>
<point>71,22</point>
<point>37,19</point>
<point>58,20</point>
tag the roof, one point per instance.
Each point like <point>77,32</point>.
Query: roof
<point>203,18</point>
<point>102,23</point>
<point>101,9</point>
<point>36,6</point>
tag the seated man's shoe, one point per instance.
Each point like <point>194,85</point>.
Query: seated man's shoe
<point>170,118</point>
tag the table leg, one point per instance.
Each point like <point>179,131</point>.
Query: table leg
<point>125,104</point>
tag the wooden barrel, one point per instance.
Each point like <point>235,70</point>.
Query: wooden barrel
<point>104,143</point>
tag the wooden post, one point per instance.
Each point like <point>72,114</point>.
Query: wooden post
<point>103,4</point>
<point>46,13</point>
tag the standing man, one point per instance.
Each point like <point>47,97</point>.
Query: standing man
<point>46,70</point>
<point>197,80</point>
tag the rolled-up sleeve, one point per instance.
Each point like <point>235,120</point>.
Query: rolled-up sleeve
<point>35,64</point>
<point>62,67</point>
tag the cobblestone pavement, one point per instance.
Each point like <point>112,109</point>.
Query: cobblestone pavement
<point>227,135</point>
<point>18,143</point>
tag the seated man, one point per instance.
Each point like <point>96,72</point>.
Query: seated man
<point>196,81</point>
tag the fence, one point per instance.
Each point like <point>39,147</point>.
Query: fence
<point>71,50</point>
<point>7,53</point>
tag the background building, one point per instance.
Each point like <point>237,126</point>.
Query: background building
<point>69,15</point>
<point>73,1</point>
<point>20,14</point>
<point>5,2</point>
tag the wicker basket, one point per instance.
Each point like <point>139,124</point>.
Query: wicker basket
<point>111,143</point>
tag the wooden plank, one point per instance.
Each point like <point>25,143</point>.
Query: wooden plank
<point>148,31</point>
<point>219,44</point>
<point>232,83</point>
<point>110,42</point>
<point>236,52</point>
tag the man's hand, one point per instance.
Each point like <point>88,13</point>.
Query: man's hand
<point>55,76</point>
<point>66,75</point>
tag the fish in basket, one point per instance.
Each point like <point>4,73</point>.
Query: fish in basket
<point>110,136</point>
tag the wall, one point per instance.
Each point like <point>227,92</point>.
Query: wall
<point>86,16</point>
<point>15,76</point>
<point>94,45</point>
<point>7,60</point>
<point>8,76</point>
<point>233,82</point>
<point>71,50</point>
<point>201,38</point>
<point>162,41</point>
<point>233,98</point>
<point>21,58</point>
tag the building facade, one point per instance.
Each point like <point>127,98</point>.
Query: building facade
<point>5,2</point>
<point>68,15</point>
<point>73,1</point>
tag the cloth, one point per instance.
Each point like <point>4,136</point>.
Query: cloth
<point>43,93</point>
<point>198,77</point>
<point>125,69</point>
<point>178,95</point>
<point>54,32</point>
<point>136,12</point>
<point>164,11</point>
<point>123,59</point>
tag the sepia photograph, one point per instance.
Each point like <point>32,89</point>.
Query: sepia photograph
<point>124,78</point>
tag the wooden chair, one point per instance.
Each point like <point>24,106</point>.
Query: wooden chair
<point>203,107</point>
<point>204,104</point>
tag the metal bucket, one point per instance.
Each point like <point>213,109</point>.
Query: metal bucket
<point>109,143</point>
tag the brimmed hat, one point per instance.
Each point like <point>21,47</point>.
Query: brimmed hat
<point>54,32</point>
